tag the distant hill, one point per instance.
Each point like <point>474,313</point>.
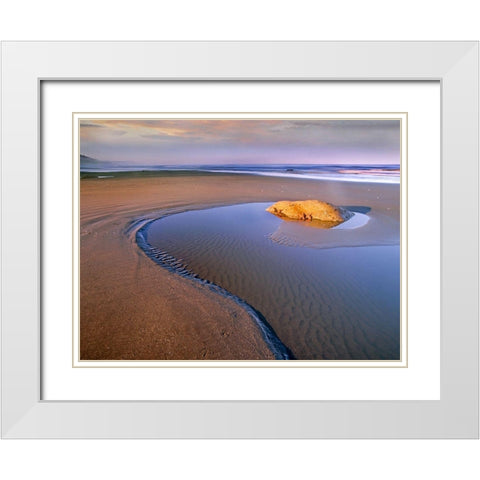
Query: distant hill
<point>86,159</point>
<point>89,162</point>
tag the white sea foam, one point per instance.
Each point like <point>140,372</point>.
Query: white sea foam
<point>363,178</point>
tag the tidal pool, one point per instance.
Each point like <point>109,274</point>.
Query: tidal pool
<point>329,294</point>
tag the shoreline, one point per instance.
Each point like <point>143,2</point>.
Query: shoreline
<point>173,265</point>
<point>131,309</point>
<point>357,179</point>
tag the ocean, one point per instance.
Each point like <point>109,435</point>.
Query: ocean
<point>380,173</point>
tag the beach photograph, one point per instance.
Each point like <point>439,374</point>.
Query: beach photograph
<point>258,238</point>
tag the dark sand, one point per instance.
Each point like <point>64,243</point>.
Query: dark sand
<point>132,309</point>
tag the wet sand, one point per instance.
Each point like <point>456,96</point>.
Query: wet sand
<point>132,309</point>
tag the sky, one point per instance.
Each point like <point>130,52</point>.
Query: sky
<point>233,141</point>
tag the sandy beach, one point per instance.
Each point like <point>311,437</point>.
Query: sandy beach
<point>132,309</point>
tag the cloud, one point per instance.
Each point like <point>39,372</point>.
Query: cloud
<point>177,140</point>
<point>90,125</point>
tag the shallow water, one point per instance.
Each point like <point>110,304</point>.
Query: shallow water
<point>339,303</point>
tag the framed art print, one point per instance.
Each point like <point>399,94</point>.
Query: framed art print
<point>204,242</point>
<point>257,271</point>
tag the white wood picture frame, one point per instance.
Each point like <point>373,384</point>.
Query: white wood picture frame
<point>26,64</point>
